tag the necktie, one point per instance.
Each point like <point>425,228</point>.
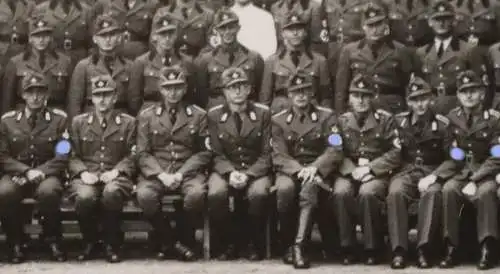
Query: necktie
<point>41,61</point>
<point>375,51</point>
<point>237,121</point>
<point>231,57</point>
<point>12,5</point>
<point>302,118</point>
<point>167,60</point>
<point>295,57</point>
<point>66,4</point>
<point>361,121</point>
<point>104,124</point>
<point>32,120</point>
<point>440,49</point>
<point>108,61</point>
<point>470,120</point>
<point>184,12</point>
<point>173,116</point>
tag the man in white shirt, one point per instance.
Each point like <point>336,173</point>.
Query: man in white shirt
<point>258,32</point>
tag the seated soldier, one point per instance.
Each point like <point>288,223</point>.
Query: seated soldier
<point>301,157</point>
<point>172,159</point>
<point>369,137</point>
<point>469,176</point>
<point>240,182</point>
<point>33,157</point>
<point>101,168</point>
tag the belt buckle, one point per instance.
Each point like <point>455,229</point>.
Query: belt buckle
<point>14,38</point>
<point>126,36</point>
<point>68,44</point>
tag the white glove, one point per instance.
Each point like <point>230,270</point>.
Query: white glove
<point>425,182</point>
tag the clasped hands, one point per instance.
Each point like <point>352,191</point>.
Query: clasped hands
<point>34,176</point>
<point>171,181</point>
<point>238,180</point>
<point>90,178</point>
<point>362,174</point>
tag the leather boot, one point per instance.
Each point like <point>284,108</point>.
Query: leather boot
<point>162,236</point>
<point>90,234</point>
<point>112,254</point>
<point>422,261</point>
<point>300,259</point>
<point>288,227</point>
<point>399,259</point>
<point>256,246</point>
<point>13,230</point>
<point>486,260</point>
<point>112,235</point>
<point>449,260</point>
<point>51,226</point>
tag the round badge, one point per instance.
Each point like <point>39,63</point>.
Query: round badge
<point>335,140</point>
<point>495,151</point>
<point>457,154</point>
<point>63,147</point>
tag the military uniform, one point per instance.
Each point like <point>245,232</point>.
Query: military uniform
<point>72,32</point>
<point>195,27</point>
<point>14,27</point>
<point>474,136</point>
<point>494,58</point>
<point>145,71</point>
<point>99,147</point>
<point>119,68</point>
<point>211,65</point>
<point>344,20</point>
<point>246,151</point>
<point>136,21</point>
<point>423,143</point>
<point>368,144</point>
<point>280,68</point>
<point>31,143</point>
<point>56,68</point>
<point>390,69</point>
<point>477,21</point>
<point>298,144</point>
<point>409,22</point>
<point>172,147</point>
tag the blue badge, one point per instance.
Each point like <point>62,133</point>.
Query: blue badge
<point>63,147</point>
<point>457,154</point>
<point>335,140</point>
<point>495,151</point>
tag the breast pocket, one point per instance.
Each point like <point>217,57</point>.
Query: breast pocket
<point>122,85</point>
<point>159,138</point>
<point>358,67</point>
<point>46,142</point>
<point>214,73</point>
<point>281,77</point>
<point>118,146</point>
<point>89,144</point>
<point>151,77</point>
<point>58,85</point>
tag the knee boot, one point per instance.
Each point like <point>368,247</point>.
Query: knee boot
<point>300,259</point>
<point>257,240</point>
<point>288,230</point>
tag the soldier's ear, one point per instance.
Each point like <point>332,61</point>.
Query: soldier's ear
<point>94,39</point>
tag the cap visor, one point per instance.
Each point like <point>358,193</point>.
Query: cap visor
<point>236,81</point>
<point>108,30</point>
<point>299,87</point>
<point>227,22</point>
<point>445,14</point>
<point>468,86</point>
<point>102,90</point>
<point>165,29</point>
<point>419,93</point>
<point>36,85</point>
<point>361,90</point>
<point>302,24</point>
<point>374,20</point>
<point>173,83</point>
<point>41,30</point>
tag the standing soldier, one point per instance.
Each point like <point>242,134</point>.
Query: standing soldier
<point>369,137</point>
<point>172,158</point>
<point>230,53</point>
<point>388,63</point>
<point>72,34</point>
<point>294,58</point>
<point>470,175</point>
<point>14,27</point>
<point>344,20</point>
<point>135,17</point>
<point>101,168</point>
<point>107,60</point>
<point>301,155</point>
<point>408,19</point>
<point>424,137</point>
<point>445,57</point>
<point>33,156</point>
<point>194,21</point>
<point>239,138</point>
<point>145,71</point>
<point>38,58</point>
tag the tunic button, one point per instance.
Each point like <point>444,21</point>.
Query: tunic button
<point>171,143</point>
<point>301,149</point>
<point>185,36</point>
<point>102,156</point>
<point>32,156</point>
<point>103,148</point>
<point>341,20</point>
<point>375,75</point>
<point>32,146</point>
<point>126,24</point>
<point>441,75</point>
<point>239,148</point>
<point>469,145</point>
<point>301,140</point>
<point>410,26</point>
<point>340,29</point>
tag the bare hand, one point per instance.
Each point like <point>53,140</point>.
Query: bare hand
<point>470,189</point>
<point>360,172</point>
<point>35,176</point>
<point>307,174</point>
<point>89,178</point>
<point>109,176</point>
<point>425,182</point>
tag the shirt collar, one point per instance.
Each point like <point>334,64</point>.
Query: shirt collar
<point>446,42</point>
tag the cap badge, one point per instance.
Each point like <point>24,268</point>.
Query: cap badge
<point>100,84</point>
<point>414,87</point>
<point>40,24</point>
<point>225,16</point>
<point>295,19</point>
<point>235,75</point>
<point>165,23</point>
<point>298,81</point>
<point>361,85</point>
<point>171,76</point>
<point>441,8</point>
<point>34,80</point>
<point>372,14</point>
<point>105,24</point>
<point>466,80</point>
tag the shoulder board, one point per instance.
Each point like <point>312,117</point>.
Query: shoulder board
<point>259,105</point>
<point>9,114</point>
<point>443,119</point>
<point>403,114</point>
<point>455,109</point>
<point>383,112</point>
<point>127,116</point>
<point>59,112</point>
<point>147,109</point>
<point>495,113</point>
<point>81,116</point>
<point>324,109</point>
<point>215,108</point>
<point>280,113</point>
<point>199,108</point>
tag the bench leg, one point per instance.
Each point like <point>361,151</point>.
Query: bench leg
<point>206,237</point>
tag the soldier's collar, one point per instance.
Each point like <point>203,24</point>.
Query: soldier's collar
<point>112,116</point>
<point>45,113</point>
<point>250,111</point>
<point>477,112</point>
<point>180,107</point>
<point>311,111</point>
<point>385,42</point>
<point>428,116</point>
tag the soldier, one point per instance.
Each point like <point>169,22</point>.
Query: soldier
<point>295,57</point>
<point>312,14</point>
<point>230,53</point>
<point>302,155</point>
<point>387,62</point>
<point>145,71</point>
<point>344,20</point>
<point>39,58</point>
<point>101,168</point>
<point>424,137</point>
<point>33,155</point>
<point>369,137</point>
<point>14,27</point>
<point>194,21</point>
<point>408,21</point>
<point>135,16</point>
<point>71,21</point>
<point>107,60</point>
<point>172,158</point>
<point>470,175</point>
<point>445,57</point>
<point>239,138</point>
